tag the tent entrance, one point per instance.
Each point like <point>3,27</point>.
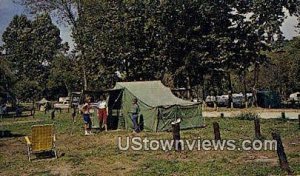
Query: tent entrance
<point>114,109</point>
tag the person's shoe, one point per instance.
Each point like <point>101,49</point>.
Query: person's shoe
<point>86,133</point>
<point>90,133</point>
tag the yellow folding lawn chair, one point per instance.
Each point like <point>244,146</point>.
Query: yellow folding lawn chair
<point>42,140</point>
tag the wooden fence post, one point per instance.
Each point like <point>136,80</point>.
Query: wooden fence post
<point>215,106</point>
<point>217,131</point>
<point>299,120</point>
<point>283,115</point>
<point>281,154</point>
<point>74,114</point>
<point>176,135</point>
<point>53,114</point>
<point>33,109</point>
<point>222,115</point>
<point>257,128</point>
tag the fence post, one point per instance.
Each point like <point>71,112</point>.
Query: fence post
<point>176,135</point>
<point>215,106</point>
<point>299,120</point>
<point>283,115</point>
<point>74,114</point>
<point>53,114</point>
<point>281,154</point>
<point>33,112</point>
<point>33,109</point>
<point>222,115</point>
<point>217,131</point>
<point>203,106</point>
<point>257,128</point>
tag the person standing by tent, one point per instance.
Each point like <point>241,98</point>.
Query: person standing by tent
<point>86,117</point>
<point>102,112</point>
<point>135,109</point>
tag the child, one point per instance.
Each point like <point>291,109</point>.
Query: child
<point>86,117</point>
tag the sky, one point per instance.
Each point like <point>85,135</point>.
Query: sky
<point>8,9</point>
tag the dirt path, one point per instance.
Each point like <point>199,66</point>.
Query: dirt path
<point>264,114</point>
<point>20,121</point>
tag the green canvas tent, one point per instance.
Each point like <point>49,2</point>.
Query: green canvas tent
<point>158,106</point>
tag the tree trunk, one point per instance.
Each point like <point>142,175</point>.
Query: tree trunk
<point>203,88</point>
<point>188,87</point>
<point>254,92</point>
<point>245,87</point>
<point>80,45</point>
<point>229,90</point>
<point>85,86</point>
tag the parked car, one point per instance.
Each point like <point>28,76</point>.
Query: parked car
<point>295,96</point>
<point>222,100</point>
<point>62,105</point>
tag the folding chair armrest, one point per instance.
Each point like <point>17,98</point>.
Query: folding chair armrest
<point>27,140</point>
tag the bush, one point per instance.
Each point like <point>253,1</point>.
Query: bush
<point>247,116</point>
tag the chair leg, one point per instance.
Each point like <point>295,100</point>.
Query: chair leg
<point>29,153</point>
<point>55,153</point>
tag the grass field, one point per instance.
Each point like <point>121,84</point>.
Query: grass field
<point>99,154</point>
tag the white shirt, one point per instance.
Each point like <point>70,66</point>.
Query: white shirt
<point>102,105</point>
<point>86,108</point>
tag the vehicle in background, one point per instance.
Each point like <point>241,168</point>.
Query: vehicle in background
<point>65,102</point>
<point>209,100</point>
<point>63,99</point>
<point>294,96</point>
<point>223,100</point>
<point>62,105</point>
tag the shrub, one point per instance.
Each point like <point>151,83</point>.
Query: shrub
<point>247,116</point>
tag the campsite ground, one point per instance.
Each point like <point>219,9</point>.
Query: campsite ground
<point>99,155</point>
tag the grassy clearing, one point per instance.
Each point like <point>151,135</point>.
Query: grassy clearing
<point>99,155</point>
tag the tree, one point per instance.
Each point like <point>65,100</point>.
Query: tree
<point>7,79</point>
<point>67,11</point>
<point>177,41</point>
<point>284,68</point>
<point>63,75</point>
<point>30,47</point>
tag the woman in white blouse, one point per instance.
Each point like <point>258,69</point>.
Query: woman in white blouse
<point>102,112</point>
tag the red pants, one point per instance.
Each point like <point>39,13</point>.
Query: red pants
<point>102,115</point>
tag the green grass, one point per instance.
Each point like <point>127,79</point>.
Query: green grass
<point>99,155</point>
